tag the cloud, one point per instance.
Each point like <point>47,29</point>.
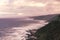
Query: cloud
<point>3,2</point>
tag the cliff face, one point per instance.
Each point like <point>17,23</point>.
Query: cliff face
<point>50,31</point>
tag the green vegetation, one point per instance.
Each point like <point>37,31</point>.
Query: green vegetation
<point>50,31</point>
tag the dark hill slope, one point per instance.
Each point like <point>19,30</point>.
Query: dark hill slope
<point>50,31</point>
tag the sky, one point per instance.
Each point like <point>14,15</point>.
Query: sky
<point>29,7</point>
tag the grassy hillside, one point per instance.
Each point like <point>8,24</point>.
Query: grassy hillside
<point>50,31</point>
